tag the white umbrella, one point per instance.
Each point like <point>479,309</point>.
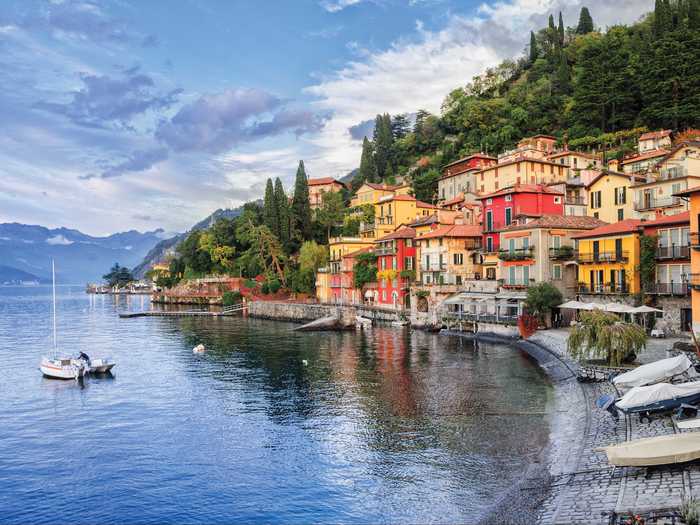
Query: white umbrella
<point>574,305</point>
<point>619,308</point>
<point>645,310</point>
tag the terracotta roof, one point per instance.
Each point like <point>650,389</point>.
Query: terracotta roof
<point>358,252</point>
<point>521,188</point>
<point>647,155</point>
<point>573,222</point>
<point>655,134</point>
<point>455,200</point>
<point>688,192</point>
<point>453,230</point>
<point>423,221</point>
<point>539,135</point>
<point>678,218</point>
<point>402,233</point>
<point>633,178</point>
<point>472,156</point>
<point>386,187</point>
<point>421,204</point>
<point>566,152</point>
<point>626,226</point>
<point>323,180</point>
<point>522,159</point>
<point>680,146</point>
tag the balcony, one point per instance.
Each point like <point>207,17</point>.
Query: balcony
<point>518,254</point>
<point>602,257</point>
<point>673,252</point>
<point>366,227</point>
<point>472,244</point>
<point>678,289</point>
<point>694,281</point>
<point>607,288</point>
<point>434,267</point>
<point>656,202</point>
<point>562,253</point>
<point>387,220</point>
<point>517,284</point>
<point>385,251</point>
<point>494,226</point>
<point>575,201</point>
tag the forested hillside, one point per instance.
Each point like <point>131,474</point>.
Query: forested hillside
<point>594,89</point>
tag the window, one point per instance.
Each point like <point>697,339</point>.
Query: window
<point>556,272</point>
<point>489,220</point>
<point>620,195</point>
<point>509,213</point>
<point>596,199</point>
<point>427,262</point>
<point>526,243</point>
<point>557,200</point>
<point>393,263</point>
<point>526,275</point>
<point>556,241</point>
<point>511,245</point>
<point>596,215</point>
<point>511,275</point>
<point>409,243</point>
<point>509,198</point>
<point>458,258</point>
<point>458,279</point>
<point>620,214</point>
<point>489,244</point>
<point>408,263</point>
<point>489,201</point>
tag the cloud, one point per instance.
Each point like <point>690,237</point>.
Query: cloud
<point>137,162</point>
<point>333,6</point>
<point>328,32</point>
<point>105,100</point>
<point>214,123</point>
<point>362,130</point>
<point>58,240</point>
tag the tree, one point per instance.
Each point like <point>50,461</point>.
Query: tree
<point>282,207</point>
<point>541,298</point>
<point>118,276</point>
<point>534,52</point>
<point>331,212</point>
<point>400,126</point>
<point>560,30</point>
<point>301,207</point>
<point>585,22</point>
<point>601,334</point>
<point>368,169</point>
<point>270,211</point>
<point>562,77</point>
<point>365,269</point>
<point>425,185</point>
<point>383,142</point>
<point>264,250</point>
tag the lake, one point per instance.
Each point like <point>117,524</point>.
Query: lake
<point>269,425</point>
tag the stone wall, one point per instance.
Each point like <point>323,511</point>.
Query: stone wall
<point>672,311</point>
<point>300,312</point>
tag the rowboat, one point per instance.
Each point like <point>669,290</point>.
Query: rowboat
<point>661,450</point>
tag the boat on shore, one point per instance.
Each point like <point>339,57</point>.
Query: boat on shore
<point>660,450</point>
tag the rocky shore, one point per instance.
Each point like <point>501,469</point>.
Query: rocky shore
<point>573,483</point>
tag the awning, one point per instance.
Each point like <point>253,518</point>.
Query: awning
<point>463,297</point>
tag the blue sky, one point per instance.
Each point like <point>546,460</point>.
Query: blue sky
<point>121,114</point>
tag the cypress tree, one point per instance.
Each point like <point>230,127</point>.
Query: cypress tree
<point>551,22</point>
<point>563,75</point>
<point>585,22</point>
<point>282,207</point>
<point>560,30</point>
<point>383,142</point>
<point>301,207</point>
<point>533,47</point>
<point>368,169</point>
<point>270,217</point>
<point>400,126</point>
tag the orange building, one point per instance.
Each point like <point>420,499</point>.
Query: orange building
<point>317,187</point>
<point>693,196</point>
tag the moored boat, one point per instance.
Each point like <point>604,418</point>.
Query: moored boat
<point>63,367</point>
<point>660,450</point>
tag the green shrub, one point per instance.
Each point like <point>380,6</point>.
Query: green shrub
<point>273,286</point>
<point>265,289</point>
<point>230,298</point>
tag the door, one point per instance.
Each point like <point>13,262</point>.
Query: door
<point>618,249</point>
<point>596,250</point>
<point>686,319</point>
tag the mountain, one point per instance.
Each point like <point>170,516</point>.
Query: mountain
<point>10,275</point>
<point>79,257</point>
<point>167,246</point>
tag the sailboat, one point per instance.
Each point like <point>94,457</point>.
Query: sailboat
<point>57,366</point>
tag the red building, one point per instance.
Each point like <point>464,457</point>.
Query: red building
<point>500,208</point>
<point>396,253</point>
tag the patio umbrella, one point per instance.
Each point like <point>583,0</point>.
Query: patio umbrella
<point>645,310</point>
<point>620,308</point>
<point>574,305</point>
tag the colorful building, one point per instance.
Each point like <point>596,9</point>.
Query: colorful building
<point>340,246</point>
<point>693,196</point>
<point>342,280</point>
<point>395,210</point>
<point>641,162</point>
<point>542,250</point>
<point>396,268</point>
<point>608,259</point>
<point>458,176</point>
<point>610,198</point>
<point>449,255</point>
<point>654,140</point>
<point>323,286</point>
<point>371,193</point>
<point>575,161</point>
<point>317,187</point>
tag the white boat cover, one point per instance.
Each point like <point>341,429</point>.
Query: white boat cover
<point>646,395</point>
<point>654,372</point>
<point>661,450</point>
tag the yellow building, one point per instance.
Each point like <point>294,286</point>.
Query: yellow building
<point>610,198</point>
<point>340,246</point>
<point>693,197</point>
<point>394,210</point>
<point>370,193</point>
<point>575,161</point>
<point>323,285</point>
<point>522,170</point>
<point>317,187</point>
<point>608,259</point>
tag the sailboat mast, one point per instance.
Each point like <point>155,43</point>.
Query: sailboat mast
<point>53,281</point>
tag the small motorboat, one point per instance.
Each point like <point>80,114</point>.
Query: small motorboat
<point>101,365</point>
<point>647,400</point>
<point>660,450</point>
<point>657,372</point>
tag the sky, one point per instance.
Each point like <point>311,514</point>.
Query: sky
<point>124,114</point>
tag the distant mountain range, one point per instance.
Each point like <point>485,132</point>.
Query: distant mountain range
<point>161,250</point>
<point>79,257</point>
<point>10,275</point>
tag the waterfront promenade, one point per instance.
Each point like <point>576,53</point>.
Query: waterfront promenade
<point>583,489</point>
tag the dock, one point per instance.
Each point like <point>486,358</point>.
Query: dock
<point>227,311</point>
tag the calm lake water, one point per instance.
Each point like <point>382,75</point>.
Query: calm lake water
<point>388,426</point>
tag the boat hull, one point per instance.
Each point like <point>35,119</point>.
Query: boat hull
<point>666,405</point>
<point>648,452</point>
<point>62,368</point>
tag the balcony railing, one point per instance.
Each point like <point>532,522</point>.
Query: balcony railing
<point>602,257</point>
<point>516,284</point>
<point>606,288</point>
<point>562,253</point>
<point>517,254</point>
<point>385,251</point>
<point>578,201</point>
<point>472,244</point>
<point>673,252</point>
<point>679,289</point>
<point>494,226</point>
<point>656,202</point>
<point>387,219</point>
<point>484,318</point>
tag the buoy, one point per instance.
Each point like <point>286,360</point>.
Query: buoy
<point>199,349</point>
<point>305,362</point>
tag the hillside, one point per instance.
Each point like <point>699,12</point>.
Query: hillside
<point>10,276</point>
<point>594,89</point>
<point>79,257</point>
<point>160,250</point>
